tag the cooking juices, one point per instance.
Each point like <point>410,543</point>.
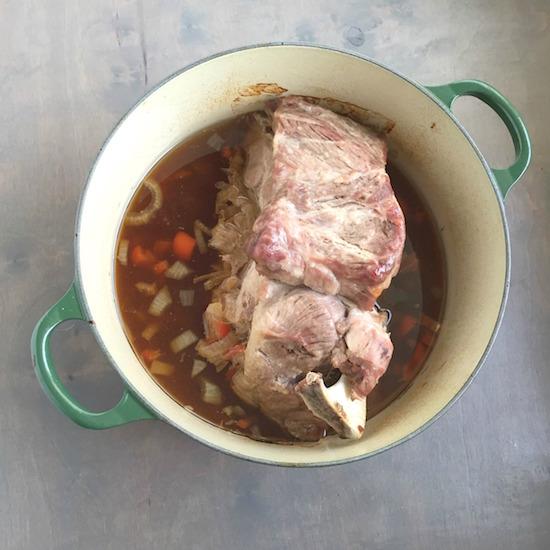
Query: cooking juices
<point>162,308</point>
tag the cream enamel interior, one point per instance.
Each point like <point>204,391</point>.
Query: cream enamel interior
<point>427,145</point>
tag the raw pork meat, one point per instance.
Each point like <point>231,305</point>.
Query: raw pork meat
<point>329,219</point>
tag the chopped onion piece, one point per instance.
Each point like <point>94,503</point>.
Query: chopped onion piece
<point>178,271</point>
<point>149,289</point>
<point>146,215</point>
<point>123,251</point>
<point>160,302</point>
<point>199,237</point>
<point>215,141</point>
<point>255,430</point>
<point>234,411</point>
<point>149,331</point>
<point>214,352</point>
<point>198,367</point>
<point>161,368</point>
<point>183,341</point>
<point>187,297</point>
<point>210,392</point>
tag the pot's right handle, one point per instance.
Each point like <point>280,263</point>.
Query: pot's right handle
<point>505,178</point>
<point>128,409</point>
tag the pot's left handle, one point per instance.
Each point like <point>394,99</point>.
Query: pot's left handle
<point>506,177</point>
<point>128,409</point>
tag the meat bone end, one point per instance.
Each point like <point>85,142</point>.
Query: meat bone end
<point>335,404</point>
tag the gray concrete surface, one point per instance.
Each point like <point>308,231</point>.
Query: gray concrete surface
<point>478,478</point>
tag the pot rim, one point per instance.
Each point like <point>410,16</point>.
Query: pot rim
<point>422,89</point>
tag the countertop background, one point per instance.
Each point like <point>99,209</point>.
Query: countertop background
<point>478,478</point>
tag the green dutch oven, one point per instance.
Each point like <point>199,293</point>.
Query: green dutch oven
<point>428,144</point>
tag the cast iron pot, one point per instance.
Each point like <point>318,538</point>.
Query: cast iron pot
<point>428,144</point>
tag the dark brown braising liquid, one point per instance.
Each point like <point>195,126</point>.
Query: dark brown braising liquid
<point>187,176</point>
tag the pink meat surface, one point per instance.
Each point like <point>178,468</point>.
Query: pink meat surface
<point>293,331</point>
<point>329,218</point>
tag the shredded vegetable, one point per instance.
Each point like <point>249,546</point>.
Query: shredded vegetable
<point>160,302</point>
<point>199,238</point>
<point>213,279</point>
<point>183,341</point>
<point>146,215</point>
<point>204,228</point>
<point>123,251</point>
<point>177,271</point>
<point>212,275</point>
<point>161,368</point>
<point>213,283</point>
<point>187,297</point>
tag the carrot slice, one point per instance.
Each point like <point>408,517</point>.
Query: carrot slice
<point>183,245</point>
<point>407,324</point>
<point>227,152</point>
<point>161,249</point>
<point>221,329</point>
<point>160,267</point>
<point>149,354</point>
<point>141,257</point>
<point>244,423</point>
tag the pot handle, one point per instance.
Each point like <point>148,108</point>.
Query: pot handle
<point>128,409</point>
<point>507,177</point>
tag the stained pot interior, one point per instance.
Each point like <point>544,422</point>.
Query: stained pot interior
<point>425,143</point>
